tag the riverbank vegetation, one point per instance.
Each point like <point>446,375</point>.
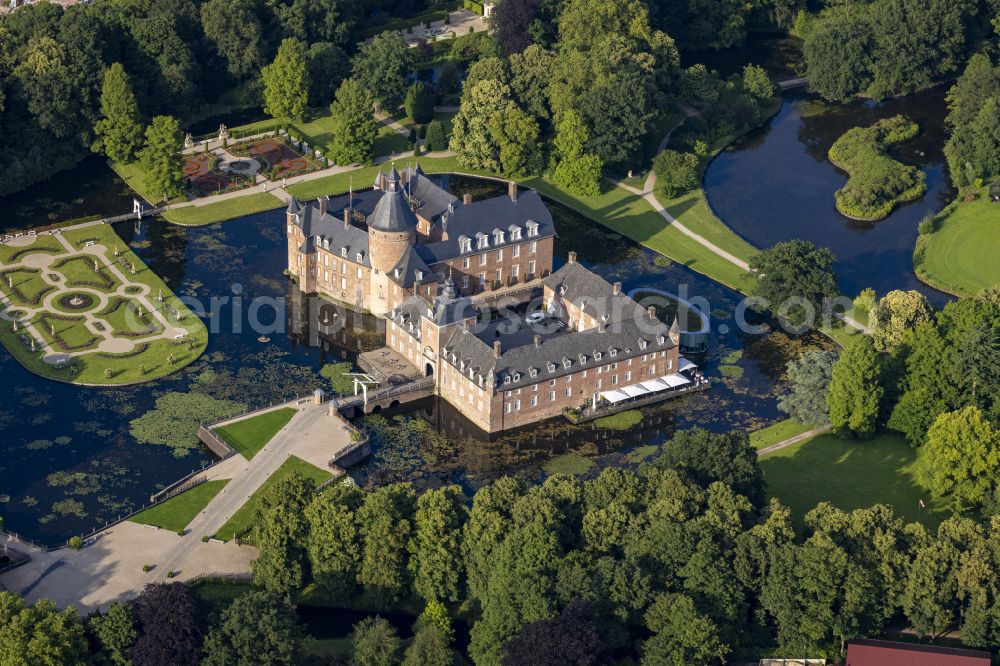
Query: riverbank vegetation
<point>876,183</point>
<point>855,48</point>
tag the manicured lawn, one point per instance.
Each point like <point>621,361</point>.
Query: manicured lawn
<point>850,474</point>
<point>244,516</point>
<point>80,272</point>
<point>175,513</point>
<point>250,435</point>
<point>961,256</point>
<point>24,286</point>
<point>223,210</point>
<point>692,210</point>
<point>388,141</point>
<point>134,176</point>
<point>10,254</point>
<point>123,315</point>
<point>146,362</point>
<point>777,432</point>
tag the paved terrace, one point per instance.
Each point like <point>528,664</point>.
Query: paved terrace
<point>111,569</point>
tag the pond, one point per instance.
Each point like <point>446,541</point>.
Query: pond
<point>68,461</point>
<point>777,184</point>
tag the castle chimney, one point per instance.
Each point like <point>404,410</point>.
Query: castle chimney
<point>347,218</point>
<point>616,288</point>
<point>538,341</point>
<point>651,311</point>
<point>466,198</point>
<point>572,257</point>
<point>323,201</point>
<point>382,181</point>
<point>465,325</point>
<point>512,190</point>
<point>496,348</point>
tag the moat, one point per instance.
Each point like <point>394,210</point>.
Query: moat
<point>796,198</point>
<point>70,462</point>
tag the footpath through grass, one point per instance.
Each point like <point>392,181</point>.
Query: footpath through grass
<point>245,514</point>
<point>850,474</point>
<point>250,435</point>
<point>177,512</point>
<point>240,206</point>
<point>777,432</point>
<point>961,255</point>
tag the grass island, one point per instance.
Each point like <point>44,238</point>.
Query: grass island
<point>876,183</point>
<point>78,306</point>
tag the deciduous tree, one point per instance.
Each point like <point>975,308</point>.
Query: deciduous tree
<point>280,532</point>
<point>435,547</point>
<point>380,66</point>
<point>676,172</point>
<point>170,626</point>
<point>258,628</point>
<point>856,389</point>
<point>114,633</point>
<point>569,639</point>
<point>960,458</point>
<point>419,103</point>
<point>510,24</point>
<point>576,169</point>
<point>40,634</point>
<point>354,128</point>
<point>234,29</point>
<point>375,643</point>
<point>896,313</point>
<point>794,278</point>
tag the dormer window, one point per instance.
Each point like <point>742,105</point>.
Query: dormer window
<point>515,233</point>
<point>419,275</point>
<point>552,366</point>
<point>566,363</point>
<point>359,256</point>
<point>614,352</point>
<point>343,251</point>
<point>482,241</point>
<point>532,372</point>
<point>506,379</point>
<point>660,339</point>
<point>464,244</point>
<point>583,359</point>
<point>642,344</point>
<point>461,366</point>
<point>597,356</point>
<point>532,228</point>
<point>517,376</point>
<point>497,237</point>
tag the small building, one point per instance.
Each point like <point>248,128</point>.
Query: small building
<point>892,653</point>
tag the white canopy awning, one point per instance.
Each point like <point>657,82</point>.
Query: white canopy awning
<point>614,396</point>
<point>675,380</point>
<point>634,391</point>
<point>654,385</point>
<point>684,364</point>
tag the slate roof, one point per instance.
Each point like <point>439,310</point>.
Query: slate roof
<point>592,293</point>
<point>404,273</point>
<point>329,232</point>
<point>442,311</point>
<point>429,199</point>
<point>483,217</point>
<point>392,212</point>
<point>564,354</point>
<point>892,653</point>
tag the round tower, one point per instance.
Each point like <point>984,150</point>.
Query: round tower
<point>392,229</point>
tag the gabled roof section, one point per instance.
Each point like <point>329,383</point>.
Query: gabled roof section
<point>293,206</point>
<point>891,653</point>
<point>486,215</point>
<point>404,273</point>
<point>592,293</point>
<point>427,198</point>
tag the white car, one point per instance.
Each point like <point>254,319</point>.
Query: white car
<point>534,318</point>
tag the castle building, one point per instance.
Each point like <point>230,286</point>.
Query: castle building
<point>432,265</point>
<point>374,249</point>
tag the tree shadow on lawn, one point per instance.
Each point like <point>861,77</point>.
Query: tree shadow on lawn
<point>850,474</point>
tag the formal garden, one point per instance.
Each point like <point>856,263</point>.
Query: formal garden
<point>79,306</point>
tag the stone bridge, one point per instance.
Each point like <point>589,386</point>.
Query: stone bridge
<point>383,398</point>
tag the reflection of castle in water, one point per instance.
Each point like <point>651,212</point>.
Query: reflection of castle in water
<point>314,321</point>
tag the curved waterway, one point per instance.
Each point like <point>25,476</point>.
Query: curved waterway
<point>68,461</point>
<point>777,184</point>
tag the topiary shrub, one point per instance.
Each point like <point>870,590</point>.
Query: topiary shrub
<point>76,543</point>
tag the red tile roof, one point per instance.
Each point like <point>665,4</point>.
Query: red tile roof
<point>888,653</point>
